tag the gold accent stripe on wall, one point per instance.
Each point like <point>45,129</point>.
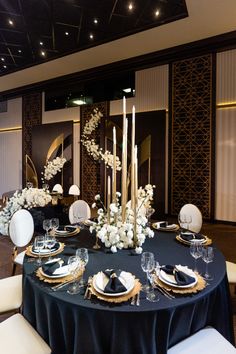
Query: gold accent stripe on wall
<point>4,130</point>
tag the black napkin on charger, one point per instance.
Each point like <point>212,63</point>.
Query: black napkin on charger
<point>66,228</point>
<point>114,284</point>
<point>50,268</point>
<point>191,236</point>
<point>181,278</point>
<point>54,249</point>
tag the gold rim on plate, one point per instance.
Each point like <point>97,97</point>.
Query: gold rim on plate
<point>208,241</point>
<point>61,280</point>
<point>29,253</point>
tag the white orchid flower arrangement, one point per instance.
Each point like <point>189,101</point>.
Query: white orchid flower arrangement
<point>52,168</point>
<point>27,199</point>
<point>117,235</point>
<point>92,147</point>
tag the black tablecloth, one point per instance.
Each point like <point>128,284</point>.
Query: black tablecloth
<point>72,325</point>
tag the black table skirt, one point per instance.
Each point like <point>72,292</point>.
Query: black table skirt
<point>72,325</point>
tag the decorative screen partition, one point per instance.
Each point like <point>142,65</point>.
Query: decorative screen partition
<point>191,134</point>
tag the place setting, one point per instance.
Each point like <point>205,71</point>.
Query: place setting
<point>44,246</point>
<point>164,226</point>
<point>187,236</point>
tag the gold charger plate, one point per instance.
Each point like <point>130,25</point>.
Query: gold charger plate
<point>69,234</point>
<point>187,243</point>
<point>118,299</point>
<point>200,285</point>
<point>61,280</point>
<point>30,254</point>
<point>176,228</point>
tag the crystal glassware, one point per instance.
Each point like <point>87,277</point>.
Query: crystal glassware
<point>195,251</point>
<point>149,213</point>
<point>83,256</point>
<point>39,243</point>
<point>147,265</point>
<point>46,225</point>
<point>50,242</point>
<point>54,225</point>
<point>73,266</point>
<point>207,256</point>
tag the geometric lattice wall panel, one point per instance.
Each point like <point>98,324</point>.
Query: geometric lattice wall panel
<point>191,134</point>
<point>92,171</point>
<point>31,115</point>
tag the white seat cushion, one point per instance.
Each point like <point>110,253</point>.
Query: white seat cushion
<point>231,272</point>
<point>18,336</point>
<point>206,341</point>
<point>19,259</point>
<point>10,293</point>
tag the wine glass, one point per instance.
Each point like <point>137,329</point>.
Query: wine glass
<point>207,256</point>
<point>38,246</point>
<point>184,220</point>
<point>82,255</point>
<point>151,294</point>
<point>54,225</point>
<point>46,225</point>
<point>149,213</point>
<point>147,265</point>
<point>195,251</point>
<point>50,242</point>
<point>73,266</point>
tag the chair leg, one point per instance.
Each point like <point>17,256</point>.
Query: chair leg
<point>14,253</point>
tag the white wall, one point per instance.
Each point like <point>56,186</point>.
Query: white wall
<point>226,137</point>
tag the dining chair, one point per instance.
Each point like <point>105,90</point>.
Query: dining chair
<point>207,340</point>
<point>10,294</point>
<point>191,210</point>
<point>231,273</point>
<point>18,336</point>
<point>21,230</point>
<point>79,211</point>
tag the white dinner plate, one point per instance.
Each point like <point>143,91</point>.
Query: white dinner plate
<point>100,281</point>
<point>204,240</point>
<point>58,273</point>
<point>45,251</point>
<point>169,279</point>
<point>172,227</point>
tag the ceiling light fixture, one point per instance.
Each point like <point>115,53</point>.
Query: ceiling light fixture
<point>95,21</point>
<point>157,13</point>
<point>41,43</point>
<point>2,59</point>
<point>79,102</point>
<point>11,23</point>
<point>19,51</point>
<point>91,36</point>
<point>43,53</point>
<point>130,7</point>
<point>4,66</point>
<point>67,33</point>
<point>127,90</point>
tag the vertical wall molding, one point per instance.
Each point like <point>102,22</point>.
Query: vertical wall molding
<point>192,134</point>
<point>31,115</point>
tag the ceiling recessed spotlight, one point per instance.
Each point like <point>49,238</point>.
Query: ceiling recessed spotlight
<point>67,33</point>
<point>41,43</point>
<point>43,53</point>
<point>95,21</point>
<point>19,51</point>
<point>2,59</point>
<point>91,36</point>
<point>127,90</point>
<point>11,23</point>
<point>4,66</point>
<point>157,13</point>
<point>79,102</point>
<point>130,6</point>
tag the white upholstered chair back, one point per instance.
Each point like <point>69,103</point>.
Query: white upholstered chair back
<point>196,216</point>
<point>21,228</point>
<point>79,211</point>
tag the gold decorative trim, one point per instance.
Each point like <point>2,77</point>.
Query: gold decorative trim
<point>4,130</point>
<point>62,280</point>
<point>29,253</point>
<point>201,284</point>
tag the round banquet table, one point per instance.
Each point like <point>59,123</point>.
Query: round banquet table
<point>71,324</point>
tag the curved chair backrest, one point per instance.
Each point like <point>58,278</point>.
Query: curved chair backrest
<point>196,216</point>
<point>21,228</point>
<point>79,211</point>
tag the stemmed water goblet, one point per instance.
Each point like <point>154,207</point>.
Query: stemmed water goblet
<point>147,265</point>
<point>73,267</point>
<point>207,256</point>
<point>149,212</point>
<point>184,219</point>
<point>50,242</point>
<point>196,251</point>
<point>82,255</point>
<point>47,225</point>
<point>54,225</point>
<point>39,243</point>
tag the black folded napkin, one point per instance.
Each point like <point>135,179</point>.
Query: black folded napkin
<point>50,268</point>
<point>181,278</point>
<point>190,237</point>
<point>163,224</point>
<point>66,228</point>
<point>114,284</point>
<point>54,249</point>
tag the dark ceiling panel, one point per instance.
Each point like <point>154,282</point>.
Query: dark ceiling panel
<point>67,26</point>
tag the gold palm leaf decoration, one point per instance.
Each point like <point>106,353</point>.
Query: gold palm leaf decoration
<point>31,174</point>
<point>59,141</point>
